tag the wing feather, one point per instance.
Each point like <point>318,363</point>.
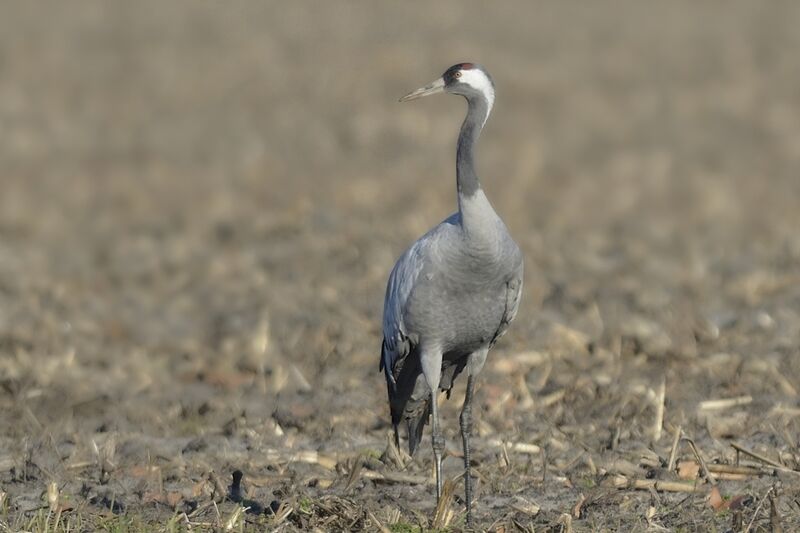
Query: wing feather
<point>402,281</point>
<point>396,343</point>
<point>513,293</point>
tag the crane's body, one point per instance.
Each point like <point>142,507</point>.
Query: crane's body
<point>449,292</point>
<point>453,292</point>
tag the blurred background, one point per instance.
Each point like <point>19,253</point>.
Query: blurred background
<point>200,203</point>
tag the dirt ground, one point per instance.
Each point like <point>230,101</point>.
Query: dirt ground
<point>200,203</point>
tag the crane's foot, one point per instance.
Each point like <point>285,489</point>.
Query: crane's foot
<point>468,498</point>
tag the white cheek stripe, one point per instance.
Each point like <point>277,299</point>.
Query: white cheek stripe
<point>479,81</point>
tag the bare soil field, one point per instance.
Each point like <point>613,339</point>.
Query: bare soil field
<point>200,203</point>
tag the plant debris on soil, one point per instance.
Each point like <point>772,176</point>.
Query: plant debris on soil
<point>200,204</point>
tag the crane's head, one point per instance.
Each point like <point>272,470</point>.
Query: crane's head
<point>469,80</point>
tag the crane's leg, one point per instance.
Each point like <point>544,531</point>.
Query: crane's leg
<point>474,366</point>
<point>466,429</point>
<point>431,360</point>
<point>437,444</point>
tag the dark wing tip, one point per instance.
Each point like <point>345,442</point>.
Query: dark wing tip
<point>386,366</point>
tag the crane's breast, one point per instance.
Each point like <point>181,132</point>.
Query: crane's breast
<point>456,314</point>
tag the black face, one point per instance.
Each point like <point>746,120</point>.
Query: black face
<point>452,74</point>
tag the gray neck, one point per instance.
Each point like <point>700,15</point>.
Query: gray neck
<point>467,179</point>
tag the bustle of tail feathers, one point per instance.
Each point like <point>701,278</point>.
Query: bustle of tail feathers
<point>416,411</point>
<point>402,376</point>
<point>416,427</point>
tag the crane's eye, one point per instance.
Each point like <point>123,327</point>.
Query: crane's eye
<point>457,74</point>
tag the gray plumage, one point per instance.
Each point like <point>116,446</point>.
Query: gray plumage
<point>453,293</point>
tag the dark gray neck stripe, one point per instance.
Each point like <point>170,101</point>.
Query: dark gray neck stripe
<point>466,178</point>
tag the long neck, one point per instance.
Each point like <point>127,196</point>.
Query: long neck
<point>477,215</point>
<point>467,179</point>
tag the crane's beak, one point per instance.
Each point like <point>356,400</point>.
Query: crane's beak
<point>436,86</point>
